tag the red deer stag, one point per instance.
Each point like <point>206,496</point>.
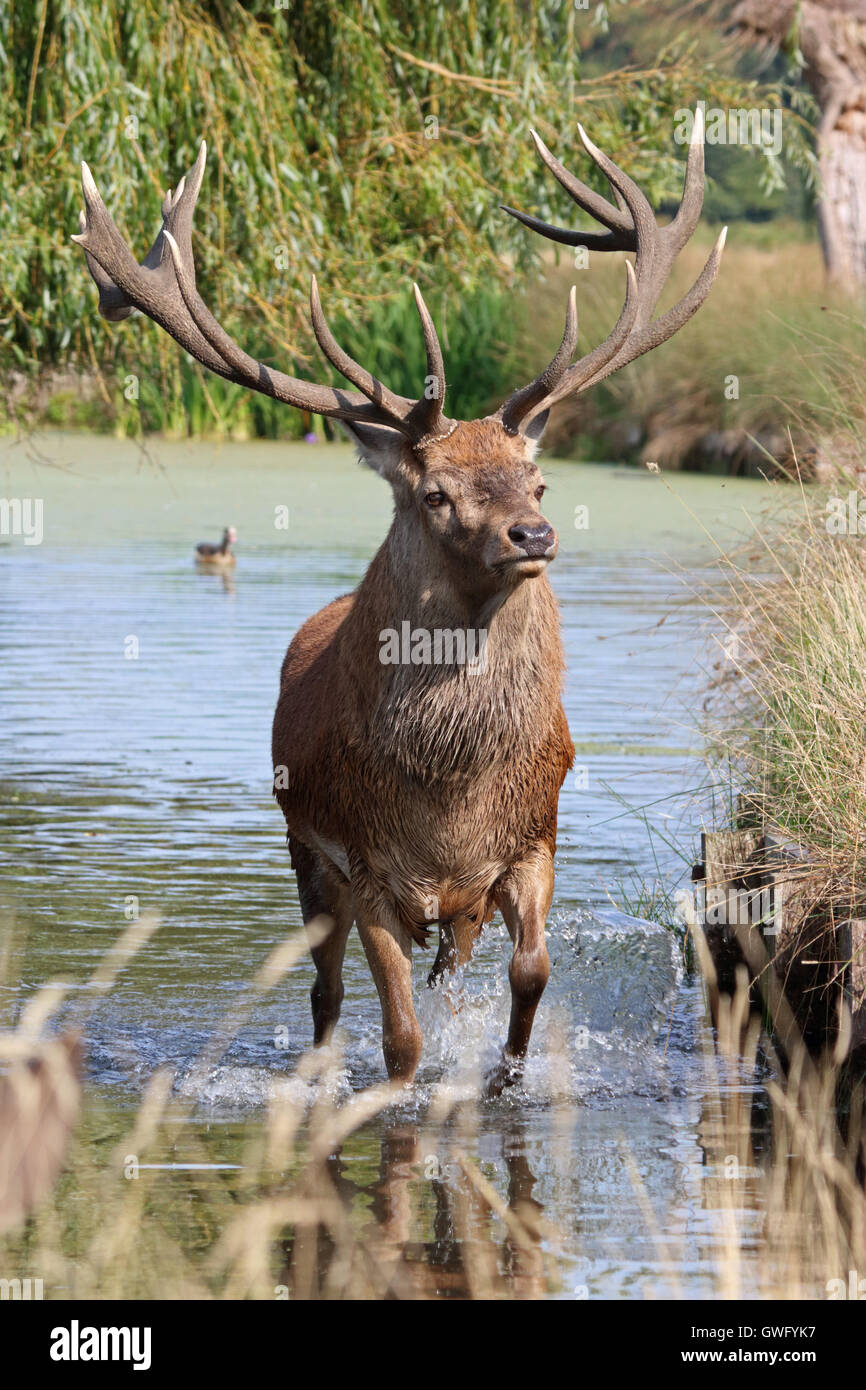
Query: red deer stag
<point>419,791</point>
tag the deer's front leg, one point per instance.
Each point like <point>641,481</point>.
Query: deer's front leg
<point>523,896</point>
<point>389,954</point>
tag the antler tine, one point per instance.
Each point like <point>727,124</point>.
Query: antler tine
<point>178,208</point>
<point>613,217</point>
<point>656,332</point>
<point>594,241</point>
<point>689,211</point>
<point>633,227</point>
<point>163,287</point>
<point>588,367</point>
<point>620,237</point>
<point>125,285</point>
<point>525,404</point>
<point>653,265</point>
<point>644,226</point>
<point>519,406</point>
<point>113,304</point>
<point>428,410</point>
<point>397,406</point>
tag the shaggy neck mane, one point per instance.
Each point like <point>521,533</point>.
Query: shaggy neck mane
<point>449,721</point>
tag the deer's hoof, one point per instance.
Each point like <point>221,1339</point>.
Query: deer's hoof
<point>507,1072</point>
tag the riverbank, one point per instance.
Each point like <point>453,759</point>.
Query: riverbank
<point>787,743</point>
<point>788,723</point>
<point>715,398</point>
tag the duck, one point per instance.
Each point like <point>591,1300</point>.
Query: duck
<point>217,557</point>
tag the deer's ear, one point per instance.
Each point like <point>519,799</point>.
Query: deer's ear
<point>536,427</point>
<point>380,448</point>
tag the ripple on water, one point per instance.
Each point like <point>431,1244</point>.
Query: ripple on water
<point>612,988</point>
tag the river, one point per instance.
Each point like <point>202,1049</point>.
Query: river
<point>138,772</point>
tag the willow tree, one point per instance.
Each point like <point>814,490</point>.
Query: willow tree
<point>369,141</point>
<point>828,40</point>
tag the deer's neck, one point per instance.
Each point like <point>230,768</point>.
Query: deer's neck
<point>434,714</point>
<point>412,578</point>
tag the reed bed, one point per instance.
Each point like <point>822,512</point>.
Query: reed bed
<point>784,1194</point>
<point>790,688</point>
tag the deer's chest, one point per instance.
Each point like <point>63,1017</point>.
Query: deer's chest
<point>441,854</point>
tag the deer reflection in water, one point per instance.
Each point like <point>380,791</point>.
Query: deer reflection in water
<point>436,1229</point>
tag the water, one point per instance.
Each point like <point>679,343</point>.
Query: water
<point>144,783</point>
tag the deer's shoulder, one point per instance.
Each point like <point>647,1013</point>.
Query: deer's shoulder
<point>314,638</point>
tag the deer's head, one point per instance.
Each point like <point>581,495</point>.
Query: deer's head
<point>467,502</point>
<point>470,492</point>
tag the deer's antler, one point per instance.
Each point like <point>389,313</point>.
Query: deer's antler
<point>163,287</point>
<point>631,226</point>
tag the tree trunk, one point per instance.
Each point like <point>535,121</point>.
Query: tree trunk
<point>842,206</point>
<point>831,36</point>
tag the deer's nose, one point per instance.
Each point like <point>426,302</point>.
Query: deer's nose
<point>535,537</point>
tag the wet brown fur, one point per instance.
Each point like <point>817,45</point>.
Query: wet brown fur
<point>439,785</point>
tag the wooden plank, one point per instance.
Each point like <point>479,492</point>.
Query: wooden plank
<point>803,945</point>
<point>851,954</point>
<point>728,887</point>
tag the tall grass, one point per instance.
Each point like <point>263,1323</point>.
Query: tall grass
<point>787,718</point>
<point>769,339</point>
<point>784,1196</point>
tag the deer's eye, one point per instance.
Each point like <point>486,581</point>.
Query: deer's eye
<point>539,492</point>
<point>435,499</point>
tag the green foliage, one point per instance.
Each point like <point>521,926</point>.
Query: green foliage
<point>369,141</point>
<point>479,334</point>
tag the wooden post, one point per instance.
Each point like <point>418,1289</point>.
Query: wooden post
<point>762,909</point>
<point>851,940</point>
<point>728,898</point>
